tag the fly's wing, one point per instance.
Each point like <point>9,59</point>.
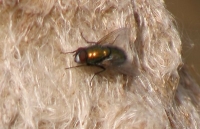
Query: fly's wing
<point>129,69</point>
<point>111,37</point>
<point>121,39</point>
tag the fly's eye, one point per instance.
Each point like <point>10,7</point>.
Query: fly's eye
<point>81,56</point>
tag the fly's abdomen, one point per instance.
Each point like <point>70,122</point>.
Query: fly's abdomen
<point>117,56</point>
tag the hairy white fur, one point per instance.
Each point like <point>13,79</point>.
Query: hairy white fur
<point>38,92</point>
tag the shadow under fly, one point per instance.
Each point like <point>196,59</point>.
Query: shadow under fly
<point>109,52</point>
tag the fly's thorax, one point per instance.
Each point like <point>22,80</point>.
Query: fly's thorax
<point>97,53</point>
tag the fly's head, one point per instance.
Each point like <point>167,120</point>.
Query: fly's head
<point>80,55</point>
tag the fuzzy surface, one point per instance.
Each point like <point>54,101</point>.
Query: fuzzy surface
<point>37,92</point>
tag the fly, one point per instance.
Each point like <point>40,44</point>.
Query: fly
<point>108,52</point>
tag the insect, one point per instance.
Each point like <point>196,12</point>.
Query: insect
<point>108,52</point>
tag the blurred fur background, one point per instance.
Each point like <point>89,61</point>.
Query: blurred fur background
<point>37,92</point>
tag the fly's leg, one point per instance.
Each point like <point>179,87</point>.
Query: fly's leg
<point>89,42</point>
<point>99,66</point>
<point>102,69</point>
<point>76,66</point>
